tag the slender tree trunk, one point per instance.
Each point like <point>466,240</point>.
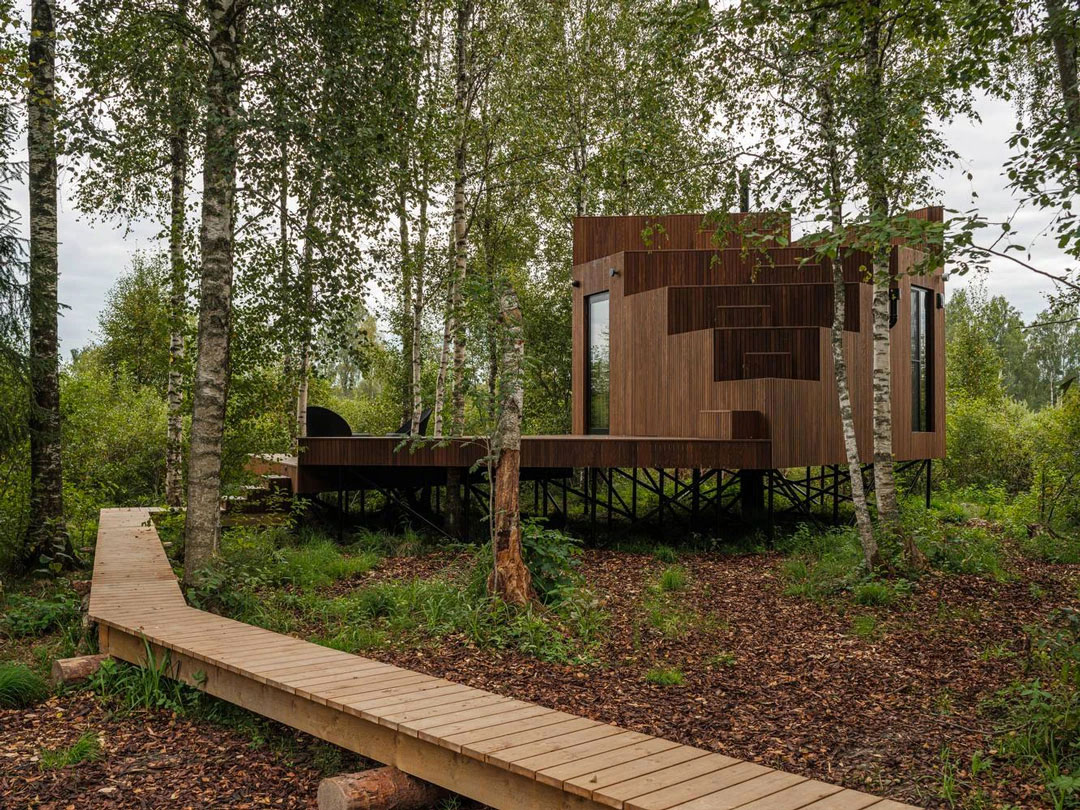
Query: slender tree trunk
<point>215,292</point>
<point>403,319</point>
<point>847,420</point>
<point>307,287</point>
<point>1063,36</point>
<point>884,480</point>
<point>444,362</point>
<point>871,555</point>
<point>510,579</point>
<point>417,314</point>
<point>47,533</point>
<point>174,492</point>
<point>178,160</point>
<point>464,13</point>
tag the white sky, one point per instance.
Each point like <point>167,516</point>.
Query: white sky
<point>93,254</point>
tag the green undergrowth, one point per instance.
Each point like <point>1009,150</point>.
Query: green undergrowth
<point>86,749</point>
<point>20,686</point>
<point>280,581</point>
<point>40,621</point>
<point>828,563</point>
<point>1039,714</point>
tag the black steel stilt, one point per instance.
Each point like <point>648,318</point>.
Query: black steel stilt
<point>929,484</point>
<point>610,485</point>
<point>836,494</point>
<point>465,511</point>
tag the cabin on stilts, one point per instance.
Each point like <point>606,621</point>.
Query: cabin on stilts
<point>703,387</point>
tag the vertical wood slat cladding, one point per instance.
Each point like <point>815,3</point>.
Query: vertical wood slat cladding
<point>777,305</point>
<point>647,270</point>
<point>665,309</point>
<point>596,237</point>
<point>791,352</point>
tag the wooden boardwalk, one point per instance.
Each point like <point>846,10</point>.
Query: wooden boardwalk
<point>506,753</point>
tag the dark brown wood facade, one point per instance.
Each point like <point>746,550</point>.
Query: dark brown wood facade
<point>716,342</point>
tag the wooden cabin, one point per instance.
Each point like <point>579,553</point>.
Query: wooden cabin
<point>677,332</point>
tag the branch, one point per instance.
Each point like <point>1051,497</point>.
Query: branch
<point>1027,266</point>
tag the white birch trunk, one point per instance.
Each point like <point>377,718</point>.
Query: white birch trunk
<point>215,292</point>
<point>47,531</point>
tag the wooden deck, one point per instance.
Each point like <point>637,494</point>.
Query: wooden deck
<point>503,752</point>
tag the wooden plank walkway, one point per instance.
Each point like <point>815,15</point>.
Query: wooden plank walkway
<point>503,752</point>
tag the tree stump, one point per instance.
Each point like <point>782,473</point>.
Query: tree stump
<point>72,670</point>
<point>378,789</point>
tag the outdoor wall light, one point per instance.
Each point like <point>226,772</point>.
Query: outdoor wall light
<point>613,272</point>
<point>575,283</point>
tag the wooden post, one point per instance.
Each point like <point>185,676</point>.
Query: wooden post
<point>378,789</point>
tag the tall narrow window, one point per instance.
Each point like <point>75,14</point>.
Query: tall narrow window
<point>598,361</point>
<point>922,353</point>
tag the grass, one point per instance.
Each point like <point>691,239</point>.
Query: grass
<point>674,578</point>
<point>722,659</point>
<point>871,594</point>
<point>20,686</point>
<point>666,554</point>
<point>865,627</point>
<point>665,676</point>
<point>86,749</point>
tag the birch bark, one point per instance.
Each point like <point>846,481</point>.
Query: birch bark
<point>47,533</point>
<point>215,292</point>
<point>178,165</point>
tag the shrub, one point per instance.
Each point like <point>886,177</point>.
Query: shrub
<point>551,557</point>
<point>144,687</point>
<point>34,616</point>
<point>873,593</point>
<point>988,444</point>
<point>20,686</point>
<point>673,578</point>
<point>665,676</point>
<point>86,749</point>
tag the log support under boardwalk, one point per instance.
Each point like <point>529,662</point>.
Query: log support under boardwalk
<point>378,789</point>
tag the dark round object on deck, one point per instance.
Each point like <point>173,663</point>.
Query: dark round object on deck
<point>324,422</point>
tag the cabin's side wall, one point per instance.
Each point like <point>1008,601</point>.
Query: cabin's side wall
<point>662,377</point>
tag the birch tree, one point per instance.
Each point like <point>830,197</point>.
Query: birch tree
<point>201,529</point>
<point>48,534</point>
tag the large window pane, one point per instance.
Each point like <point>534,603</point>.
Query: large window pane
<point>598,375</point>
<point>922,352</point>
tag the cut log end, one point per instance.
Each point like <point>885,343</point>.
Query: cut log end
<point>378,789</point>
<point>73,670</point>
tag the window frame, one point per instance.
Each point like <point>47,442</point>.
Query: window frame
<point>921,322</point>
<point>601,295</point>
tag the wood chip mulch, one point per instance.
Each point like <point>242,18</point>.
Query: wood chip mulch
<point>798,690</point>
<point>148,760</point>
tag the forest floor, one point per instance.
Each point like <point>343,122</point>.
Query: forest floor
<point>892,699</point>
<point>893,686</point>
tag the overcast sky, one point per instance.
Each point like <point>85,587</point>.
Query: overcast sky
<point>94,254</point>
